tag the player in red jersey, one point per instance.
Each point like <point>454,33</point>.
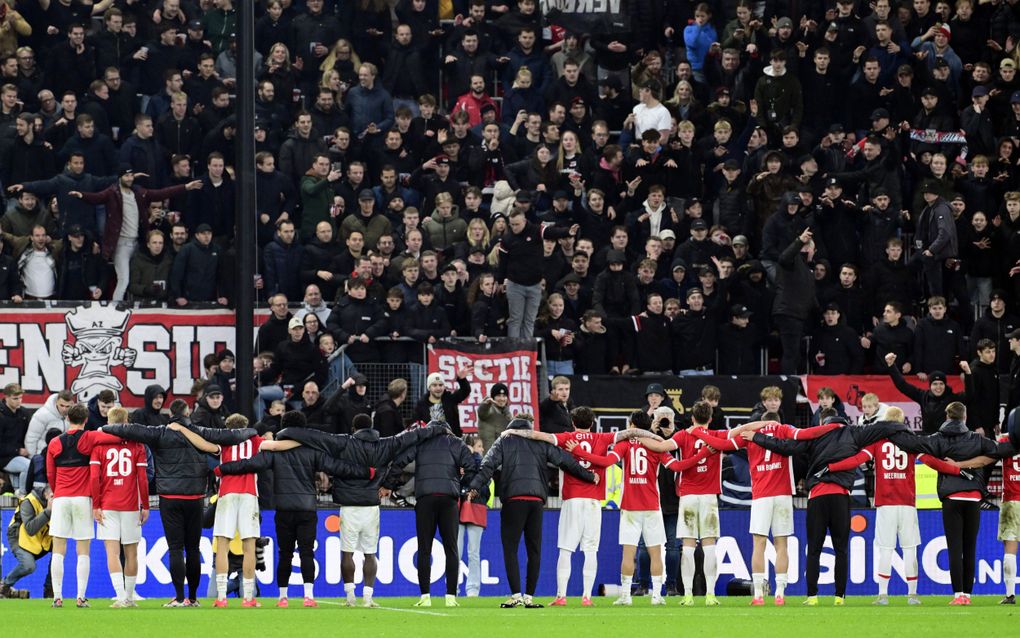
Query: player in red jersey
<point>1009,522</point>
<point>120,505</point>
<point>237,510</point>
<point>67,470</point>
<point>896,505</point>
<point>698,487</point>
<point>581,514</point>
<point>771,494</point>
<point>640,514</point>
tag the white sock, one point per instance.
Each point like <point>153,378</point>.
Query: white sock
<point>57,575</point>
<point>711,569</point>
<point>426,597</point>
<point>248,588</point>
<point>687,570</point>
<point>625,582</point>
<point>562,572</point>
<point>84,563</point>
<point>349,590</point>
<point>758,580</point>
<point>309,590</point>
<point>283,593</point>
<point>221,586</point>
<point>966,595</point>
<point>129,586</point>
<point>451,598</point>
<point>884,570</point>
<point>117,578</point>
<point>656,586</point>
<point>1009,573</point>
<point>367,592</point>
<point>781,580</point>
<point>591,566</point>
<point>910,566</point>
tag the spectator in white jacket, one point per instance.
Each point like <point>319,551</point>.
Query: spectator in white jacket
<point>49,417</point>
<point>872,410</point>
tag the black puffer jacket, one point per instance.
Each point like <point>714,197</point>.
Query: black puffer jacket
<point>294,474</point>
<point>181,469</point>
<point>438,465</point>
<point>836,446</point>
<point>364,448</point>
<point>523,463</point>
<point>956,441</point>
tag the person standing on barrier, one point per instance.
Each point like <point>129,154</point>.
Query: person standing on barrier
<point>520,270</point>
<point>439,464</point>
<point>439,404</point>
<point>523,490</point>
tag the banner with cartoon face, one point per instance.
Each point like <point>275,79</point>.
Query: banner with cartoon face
<point>94,347</point>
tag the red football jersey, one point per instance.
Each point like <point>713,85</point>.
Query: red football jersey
<point>703,478</point>
<point>240,483</point>
<point>118,476</point>
<point>771,473</point>
<point>640,475</point>
<point>73,480</point>
<point>1010,476</point>
<point>894,474</point>
<point>597,443</point>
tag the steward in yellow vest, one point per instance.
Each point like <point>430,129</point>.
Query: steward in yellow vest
<point>29,538</point>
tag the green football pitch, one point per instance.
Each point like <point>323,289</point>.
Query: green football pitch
<point>482,617</point>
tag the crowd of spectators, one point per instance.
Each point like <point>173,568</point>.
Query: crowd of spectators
<point>723,177</point>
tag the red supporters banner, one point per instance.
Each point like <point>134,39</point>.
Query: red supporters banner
<point>509,361</point>
<point>851,388</point>
<point>94,347</point>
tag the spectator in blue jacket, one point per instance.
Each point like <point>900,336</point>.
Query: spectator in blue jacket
<point>699,38</point>
<point>369,107</point>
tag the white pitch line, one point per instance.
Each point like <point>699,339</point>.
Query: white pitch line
<point>406,611</point>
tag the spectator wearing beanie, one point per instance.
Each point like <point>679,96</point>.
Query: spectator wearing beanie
<point>494,414</point>
<point>210,412</point>
<point>439,404</point>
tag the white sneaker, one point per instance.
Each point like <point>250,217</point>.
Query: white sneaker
<point>658,600</point>
<point>369,603</point>
<point>623,600</point>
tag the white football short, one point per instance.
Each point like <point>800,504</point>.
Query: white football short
<point>698,516</point>
<point>896,522</point>
<point>1009,521</point>
<point>359,529</point>
<point>71,517</point>
<point>580,524</point>
<point>237,514</point>
<point>123,527</point>
<point>772,514</point>
<point>642,523</point>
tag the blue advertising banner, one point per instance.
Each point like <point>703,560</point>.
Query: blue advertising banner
<point>397,575</point>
